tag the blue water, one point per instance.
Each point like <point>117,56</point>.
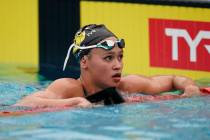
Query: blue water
<point>181,119</point>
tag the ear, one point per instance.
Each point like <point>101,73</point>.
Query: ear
<point>83,62</point>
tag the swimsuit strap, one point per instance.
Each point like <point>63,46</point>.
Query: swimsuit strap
<point>109,96</point>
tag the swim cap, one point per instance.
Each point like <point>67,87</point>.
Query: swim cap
<point>86,36</point>
<point>92,34</point>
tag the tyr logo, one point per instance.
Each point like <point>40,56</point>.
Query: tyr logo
<point>179,44</point>
<point>193,44</point>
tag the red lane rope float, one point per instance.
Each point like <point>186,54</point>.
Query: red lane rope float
<point>150,98</point>
<point>32,111</point>
<point>205,90</point>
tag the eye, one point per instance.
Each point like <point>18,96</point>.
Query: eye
<point>120,57</point>
<point>108,58</point>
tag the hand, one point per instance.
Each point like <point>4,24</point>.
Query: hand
<point>191,90</point>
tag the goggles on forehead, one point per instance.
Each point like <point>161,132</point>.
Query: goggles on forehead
<point>106,44</point>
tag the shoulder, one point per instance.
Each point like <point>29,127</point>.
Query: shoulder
<point>66,88</point>
<point>134,79</point>
<point>65,81</point>
<point>133,83</point>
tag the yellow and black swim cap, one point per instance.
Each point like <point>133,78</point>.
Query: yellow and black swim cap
<point>86,36</point>
<point>92,34</point>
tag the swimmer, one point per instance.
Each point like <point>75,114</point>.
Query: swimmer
<point>100,54</point>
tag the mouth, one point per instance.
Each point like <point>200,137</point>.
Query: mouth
<point>116,77</point>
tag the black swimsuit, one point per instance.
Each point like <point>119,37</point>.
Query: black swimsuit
<point>108,96</point>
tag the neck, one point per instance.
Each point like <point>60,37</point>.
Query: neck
<point>89,85</point>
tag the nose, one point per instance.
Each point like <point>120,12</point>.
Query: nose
<point>117,64</point>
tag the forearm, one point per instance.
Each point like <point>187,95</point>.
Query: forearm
<point>169,82</point>
<point>46,102</point>
<point>159,84</point>
<point>187,85</point>
<point>180,82</point>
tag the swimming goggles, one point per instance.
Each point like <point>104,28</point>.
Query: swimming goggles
<point>106,44</point>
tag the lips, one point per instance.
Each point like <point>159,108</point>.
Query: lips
<point>116,75</point>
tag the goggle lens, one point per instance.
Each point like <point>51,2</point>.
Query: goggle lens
<point>109,44</point>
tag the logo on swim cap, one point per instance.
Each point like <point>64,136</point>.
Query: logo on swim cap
<point>91,32</point>
<point>79,38</point>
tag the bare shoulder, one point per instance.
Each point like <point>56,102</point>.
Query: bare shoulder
<point>133,83</point>
<point>134,78</point>
<point>65,88</point>
<point>65,82</point>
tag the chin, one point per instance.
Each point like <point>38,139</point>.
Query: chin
<point>115,84</point>
<point>111,83</point>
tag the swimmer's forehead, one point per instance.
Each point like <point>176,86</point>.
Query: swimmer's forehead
<point>109,38</point>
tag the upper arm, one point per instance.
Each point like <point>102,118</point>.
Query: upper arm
<point>134,83</point>
<point>149,85</point>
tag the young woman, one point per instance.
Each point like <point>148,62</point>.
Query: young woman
<point>100,54</point>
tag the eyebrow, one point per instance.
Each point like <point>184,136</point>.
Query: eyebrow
<point>111,52</point>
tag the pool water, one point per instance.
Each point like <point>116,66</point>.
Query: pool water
<point>183,119</point>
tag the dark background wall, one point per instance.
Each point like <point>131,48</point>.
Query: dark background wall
<point>58,21</point>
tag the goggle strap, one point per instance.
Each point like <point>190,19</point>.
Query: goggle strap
<point>67,56</point>
<point>86,47</point>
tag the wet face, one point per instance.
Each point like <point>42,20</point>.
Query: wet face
<point>105,66</point>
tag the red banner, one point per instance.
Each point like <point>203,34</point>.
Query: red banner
<point>179,44</point>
